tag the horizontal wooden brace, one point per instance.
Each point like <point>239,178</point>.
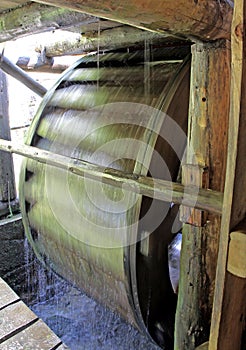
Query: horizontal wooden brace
<point>191,196</point>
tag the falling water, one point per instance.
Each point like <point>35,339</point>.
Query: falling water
<point>147,47</point>
<point>98,52</point>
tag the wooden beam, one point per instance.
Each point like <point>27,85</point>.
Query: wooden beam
<point>153,188</point>
<point>10,68</point>
<point>110,39</point>
<point>36,18</point>
<point>229,308</point>
<point>7,179</point>
<point>207,144</point>
<point>205,20</point>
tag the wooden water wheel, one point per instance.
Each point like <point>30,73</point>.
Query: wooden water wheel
<point>125,110</point>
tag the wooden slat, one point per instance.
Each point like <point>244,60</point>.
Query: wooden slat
<point>7,295</point>
<point>20,328</point>
<point>125,75</point>
<point>229,308</point>
<point>15,317</point>
<point>82,97</point>
<point>153,188</point>
<point>38,336</point>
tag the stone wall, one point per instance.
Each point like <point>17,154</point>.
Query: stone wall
<point>20,268</point>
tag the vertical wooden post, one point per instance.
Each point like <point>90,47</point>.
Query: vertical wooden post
<point>229,308</point>
<point>206,164</point>
<point>7,181</point>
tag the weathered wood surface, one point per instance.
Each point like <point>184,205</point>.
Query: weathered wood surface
<point>16,317</point>
<point>10,68</point>
<point>207,143</point>
<point>20,327</point>
<point>229,312</point>
<point>38,336</point>
<point>206,20</point>
<point>7,295</point>
<point>7,181</point>
<point>153,188</point>
<point>35,18</point>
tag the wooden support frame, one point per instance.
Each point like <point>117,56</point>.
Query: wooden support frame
<point>7,179</point>
<point>207,140</point>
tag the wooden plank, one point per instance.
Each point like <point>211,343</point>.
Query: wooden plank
<point>229,312</point>
<point>19,326</point>
<point>7,181</point>
<point>206,150</point>
<point>7,295</point>
<point>14,318</point>
<point>37,336</point>
<point>153,188</point>
<point>207,19</point>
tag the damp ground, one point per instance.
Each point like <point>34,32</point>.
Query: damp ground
<point>83,324</point>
